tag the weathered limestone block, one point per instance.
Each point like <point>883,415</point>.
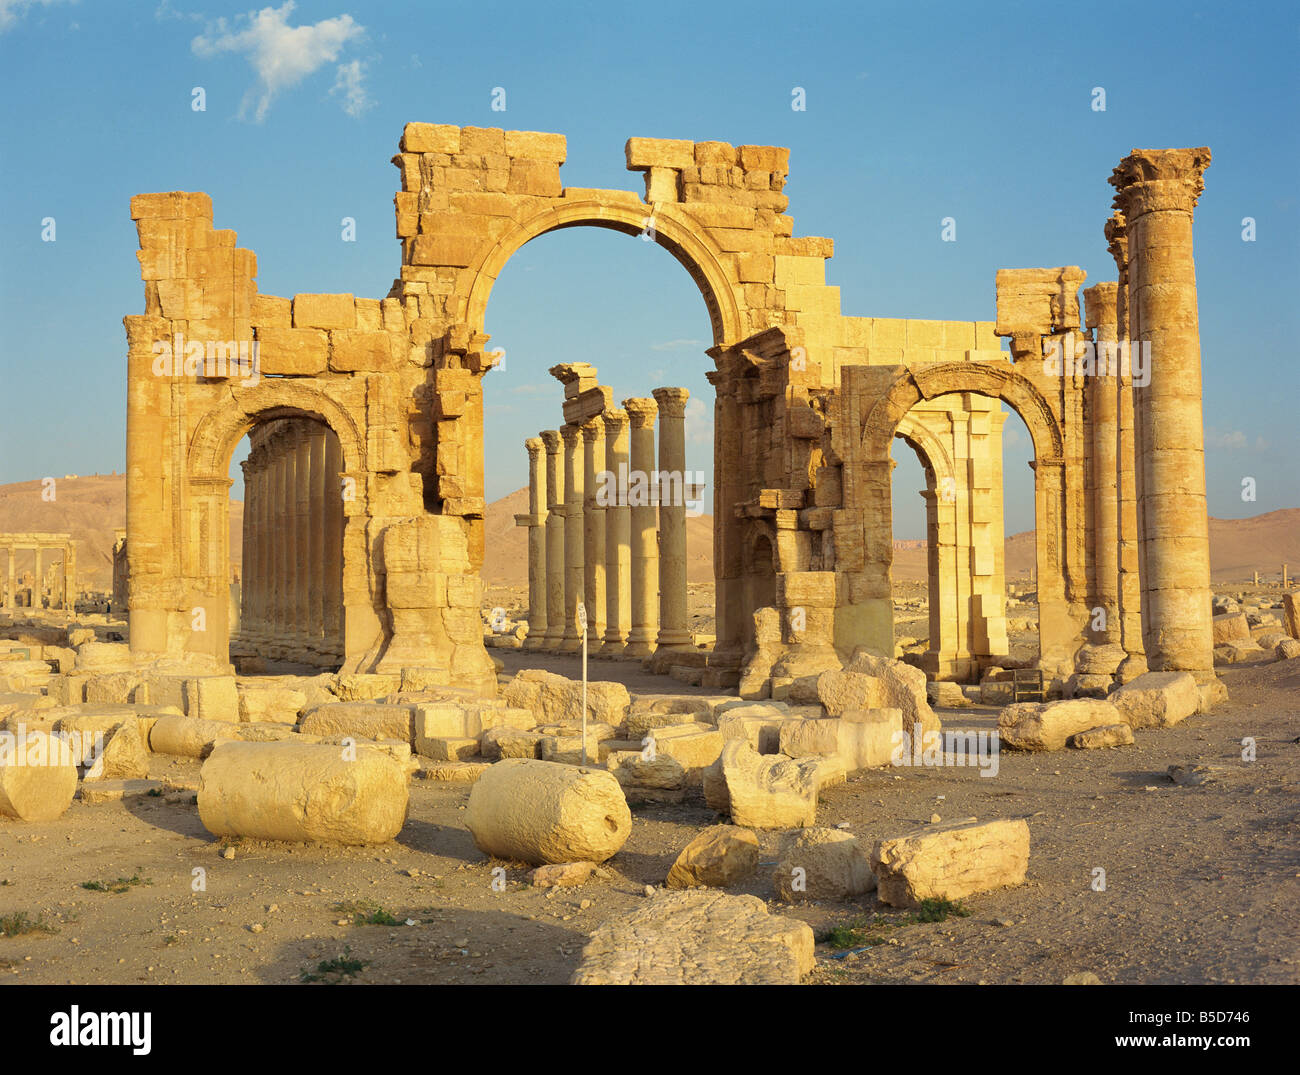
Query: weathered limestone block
<point>447,748</point>
<point>1109,735</point>
<point>1230,627</point>
<point>539,812</point>
<point>768,791</point>
<point>302,792</point>
<point>1099,660</point>
<point>1291,612</point>
<point>700,937</point>
<point>1047,725</point>
<point>634,771</point>
<point>900,686</point>
<point>643,723</point>
<point>467,719</point>
<point>292,352</point>
<point>759,725</point>
<point>562,875</point>
<point>324,311</point>
<point>858,744</point>
<point>1157,699</point>
<point>202,697</point>
<point>118,687</point>
<point>280,704</point>
<point>822,864</point>
<point>1286,649</point>
<point>189,737</point>
<point>717,858</point>
<point>371,720</point>
<point>38,777</point>
<point>510,743</point>
<point>552,698</point>
<point>124,756</point>
<point>366,686</point>
<point>950,861</point>
<point>693,746</point>
<point>946,693</point>
<point>103,657</point>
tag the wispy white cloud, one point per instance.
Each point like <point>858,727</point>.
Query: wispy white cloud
<point>1231,441</point>
<point>699,421</point>
<point>164,12</point>
<point>282,55</point>
<point>677,345</point>
<point>13,10</point>
<point>349,82</point>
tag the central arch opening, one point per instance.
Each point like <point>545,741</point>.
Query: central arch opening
<point>607,297</point>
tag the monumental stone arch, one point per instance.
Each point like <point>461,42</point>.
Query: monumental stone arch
<point>365,477</point>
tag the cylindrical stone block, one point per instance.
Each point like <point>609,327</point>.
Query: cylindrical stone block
<point>542,812</point>
<point>672,486</point>
<point>301,792</point>
<point>38,776</point>
<point>644,523</point>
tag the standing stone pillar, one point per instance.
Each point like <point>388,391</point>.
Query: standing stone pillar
<point>1157,191</point>
<point>248,557</point>
<point>301,538</point>
<point>644,522</point>
<point>555,562</point>
<point>317,492</point>
<point>1102,396</point>
<point>618,538</point>
<point>535,520</point>
<point>12,554</point>
<point>1130,581</point>
<point>571,640</point>
<point>266,542</point>
<point>282,518</point>
<point>332,604</point>
<point>593,531</point>
<point>70,577</point>
<point>672,517</point>
<point>38,586</point>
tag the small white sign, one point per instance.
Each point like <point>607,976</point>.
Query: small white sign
<point>582,616</point>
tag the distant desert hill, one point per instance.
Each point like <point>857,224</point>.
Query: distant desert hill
<point>91,507</point>
<point>88,508</point>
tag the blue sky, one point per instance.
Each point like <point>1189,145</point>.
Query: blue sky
<point>915,112</point>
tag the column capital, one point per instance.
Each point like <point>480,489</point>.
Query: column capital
<point>642,411</point>
<point>672,401</point>
<point>1151,180</point>
<point>570,433</point>
<point>615,422</point>
<point>1117,240</point>
<point>550,438</point>
<point>592,429</point>
<point>534,446</point>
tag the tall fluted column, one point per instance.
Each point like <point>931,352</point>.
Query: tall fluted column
<point>593,531</point>
<point>573,536</point>
<point>317,492</point>
<point>10,600</point>
<point>535,520</point>
<point>672,516</point>
<point>265,543</point>
<point>1157,191</point>
<point>555,562</point>
<point>643,539</point>
<point>301,539</point>
<point>1103,399</point>
<point>249,553</point>
<point>38,588</point>
<point>1130,581</point>
<point>70,577</point>
<point>332,605</point>
<point>282,516</point>
<point>618,537</point>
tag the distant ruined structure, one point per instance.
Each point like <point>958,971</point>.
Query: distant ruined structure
<point>364,504</point>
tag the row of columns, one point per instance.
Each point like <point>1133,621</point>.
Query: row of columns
<point>1151,552</point>
<point>292,579</point>
<point>624,561</point>
<point>61,591</point>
